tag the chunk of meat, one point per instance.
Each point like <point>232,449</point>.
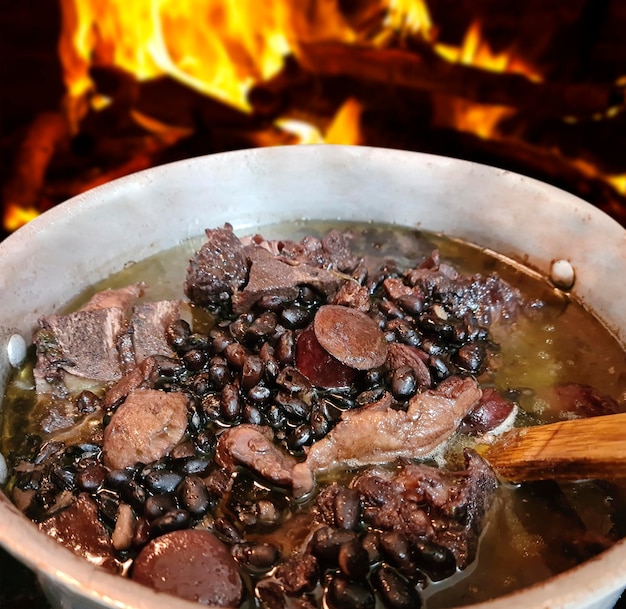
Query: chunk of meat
<point>217,269</point>
<point>488,298</point>
<point>270,274</point>
<point>79,529</point>
<point>573,401</point>
<point>81,345</point>
<point>350,336</point>
<point>425,503</point>
<point>369,435</point>
<point>492,410</point>
<point>252,446</point>
<point>148,326</point>
<point>192,564</point>
<point>144,428</point>
<point>352,294</point>
<point>121,298</point>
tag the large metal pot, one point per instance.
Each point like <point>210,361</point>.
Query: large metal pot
<point>56,256</point>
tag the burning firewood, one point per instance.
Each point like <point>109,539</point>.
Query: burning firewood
<point>431,74</point>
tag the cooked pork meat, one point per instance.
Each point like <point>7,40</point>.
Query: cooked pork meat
<point>369,436</point>
<point>144,428</point>
<point>121,298</point>
<point>252,446</point>
<point>424,503</point>
<point>218,268</point>
<point>273,275</point>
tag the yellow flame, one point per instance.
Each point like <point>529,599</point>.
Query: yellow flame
<point>16,216</point>
<point>410,15</point>
<point>475,51</point>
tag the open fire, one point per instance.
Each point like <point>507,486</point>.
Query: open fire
<point>150,81</point>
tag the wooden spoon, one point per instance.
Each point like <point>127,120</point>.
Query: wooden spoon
<point>576,449</point>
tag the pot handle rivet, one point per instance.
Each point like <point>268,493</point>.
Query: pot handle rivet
<point>562,274</point>
<point>16,350</point>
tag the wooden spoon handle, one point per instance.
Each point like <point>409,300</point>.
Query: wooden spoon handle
<point>576,449</point>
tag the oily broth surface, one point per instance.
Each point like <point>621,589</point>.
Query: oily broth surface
<point>529,536</point>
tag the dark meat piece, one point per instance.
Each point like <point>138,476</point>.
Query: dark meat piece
<point>251,445</point>
<point>81,345</point>
<point>121,298</point>
<point>352,294</point>
<point>270,274</point>
<point>487,298</point>
<point>492,410</point>
<point>79,529</point>
<point>298,575</point>
<point>191,564</point>
<point>319,366</point>
<point>218,269</point>
<point>350,336</point>
<point>428,503</point>
<point>148,325</point>
<point>144,428</point>
<point>372,435</point>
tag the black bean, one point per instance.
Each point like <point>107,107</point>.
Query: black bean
<point>391,309</point>
<point>206,442</point>
<point>91,478</point>
<point>345,594</point>
<point>370,395</point>
<point>251,372</point>
<point>252,415</point>
<point>219,373</point>
<point>259,394</point>
<point>195,359</point>
<point>395,549</point>
<point>276,417</point>
<point>227,531</point>
<point>395,591</point>
<point>134,494</point>
<point>236,355</point>
<point>108,503</point>
<point>193,496</point>
<point>299,437</point>
<point>211,408</point>
<point>285,348</point>
<point>87,401</point>
<point>201,384</point>
<point>230,403</point>
<point>326,542</point>
<point>320,425</point>
<point>116,478</point>
<point>63,477</point>
<point>197,341</point>
<point>470,357</point>
<point>158,505</point>
<point>412,303</point>
<point>162,481</point>
<point>175,520</point>
<point>177,333</point>
<point>308,297</point>
<point>239,327</point>
<point>347,509</point>
<point>199,466</point>
<point>370,545</point>
<point>272,370</point>
<point>262,327</point>
<point>330,410</point>
<point>436,560</point>
<point>297,410</point>
<point>141,534</point>
<point>47,450</point>
<point>403,383</point>
<point>272,302</point>
<point>439,367</point>
<point>220,339</point>
<point>353,560</point>
<point>295,317</point>
<point>257,557</point>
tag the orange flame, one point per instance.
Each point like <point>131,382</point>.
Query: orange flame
<point>479,119</point>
